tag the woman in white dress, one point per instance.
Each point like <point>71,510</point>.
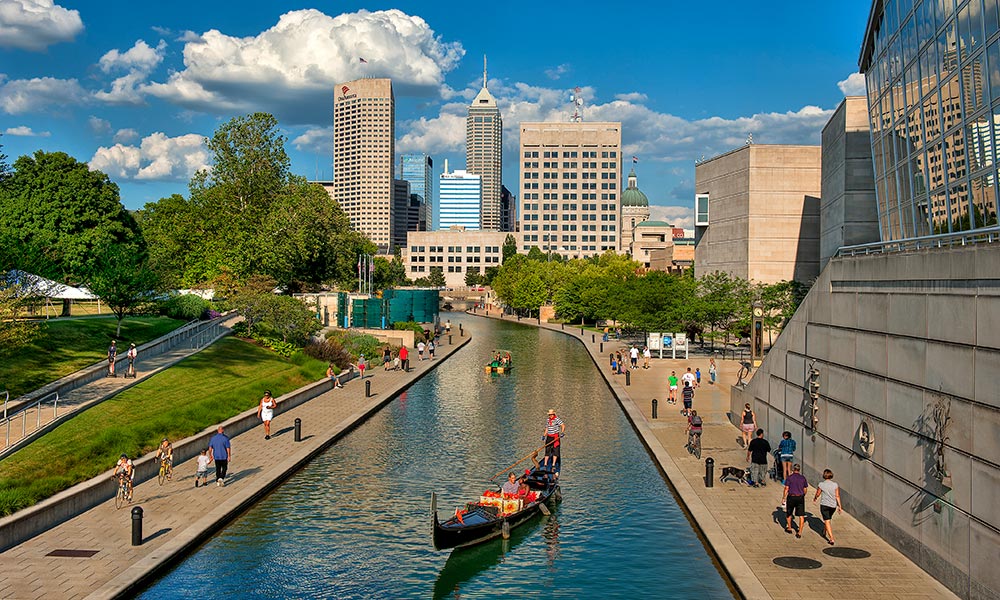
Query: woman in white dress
<point>266,412</point>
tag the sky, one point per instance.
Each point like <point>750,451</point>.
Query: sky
<point>133,88</point>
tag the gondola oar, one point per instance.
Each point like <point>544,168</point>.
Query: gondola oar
<point>533,453</point>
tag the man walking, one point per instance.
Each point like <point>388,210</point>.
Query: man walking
<point>220,451</point>
<point>112,355</point>
<point>404,358</point>
<point>633,355</point>
<point>757,451</point>
<point>794,499</point>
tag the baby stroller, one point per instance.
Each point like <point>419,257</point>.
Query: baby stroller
<point>773,472</point>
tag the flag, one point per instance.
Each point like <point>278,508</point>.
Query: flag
<point>363,61</point>
<point>359,264</point>
<point>635,159</point>
<point>371,266</point>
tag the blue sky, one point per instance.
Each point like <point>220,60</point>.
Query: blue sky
<point>134,87</point>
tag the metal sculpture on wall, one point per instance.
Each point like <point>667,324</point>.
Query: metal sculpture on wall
<point>940,419</point>
<point>866,438</point>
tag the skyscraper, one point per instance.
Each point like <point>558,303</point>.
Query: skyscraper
<point>484,152</point>
<point>460,192</point>
<point>569,187</point>
<point>363,147</point>
<point>418,169</point>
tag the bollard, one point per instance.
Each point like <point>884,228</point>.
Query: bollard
<point>137,526</point>
<point>449,339</point>
<point>602,347</point>
<point>628,377</point>
<point>461,332</point>
<point>654,407</point>
<point>298,429</point>
<point>368,389</point>
<point>709,472</point>
<point>592,338</point>
<point>539,319</point>
<point>562,326</point>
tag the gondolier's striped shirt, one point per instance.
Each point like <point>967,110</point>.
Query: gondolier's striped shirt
<point>553,427</point>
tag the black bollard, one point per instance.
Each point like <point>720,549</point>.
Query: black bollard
<point>592,338</point>
<point>581,332</point>
<point>449,339</point>
<point>461,332</point>
<point>654,407</point>
<point>562,326</point>
<point>709,472</point>
<point>602,347</point>
<point>368,389</point>
<point>137,526</point>
<point>539,319</point>
<point>628,377</point>
<point>298,429</point>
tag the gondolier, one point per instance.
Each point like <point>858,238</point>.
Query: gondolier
<point>554,428</point>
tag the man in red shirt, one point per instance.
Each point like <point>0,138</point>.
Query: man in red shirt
<point>404,358</point>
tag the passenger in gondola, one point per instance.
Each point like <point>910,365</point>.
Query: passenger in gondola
<point>511,486</point>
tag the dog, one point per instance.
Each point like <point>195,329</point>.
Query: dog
<point>735,474</point>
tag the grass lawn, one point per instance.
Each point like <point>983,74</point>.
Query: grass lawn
<point>68,345</point>
<point>202,390</point>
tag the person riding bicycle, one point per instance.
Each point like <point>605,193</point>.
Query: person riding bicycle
<point>165,453</point>
<point>694,427</point>
<point>124,468</point>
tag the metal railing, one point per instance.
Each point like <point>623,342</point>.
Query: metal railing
<point>37,406</point>
<point>944,240</point>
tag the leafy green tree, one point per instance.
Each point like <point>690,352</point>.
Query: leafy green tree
<point>5,168</point>
<point>389,273</point>
<point>122,279</point>
<point>435,277</point>
<point>489,274</point>
<point>56,205</point>
<point>535,253</point>
<point>288,318</point>
<point>473,278</point>
<point>15,330</point>
<point>509,247</point>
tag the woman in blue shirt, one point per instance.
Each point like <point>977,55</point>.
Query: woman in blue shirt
<point>786,449</point>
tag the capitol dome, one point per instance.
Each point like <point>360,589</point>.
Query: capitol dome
<point>632,196</point>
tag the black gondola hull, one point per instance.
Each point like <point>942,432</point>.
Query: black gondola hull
<point>457,535</point>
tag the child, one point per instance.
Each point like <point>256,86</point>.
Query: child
<point>697,377</point>
<point>202,469</point>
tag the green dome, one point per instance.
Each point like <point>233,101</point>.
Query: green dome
<point>632,196</point>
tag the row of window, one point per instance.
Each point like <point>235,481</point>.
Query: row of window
<point>566,238</point>
<point>570,154</point>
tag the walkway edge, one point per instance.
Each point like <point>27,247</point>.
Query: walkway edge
<point>140,573</point>
<point>736,568</point>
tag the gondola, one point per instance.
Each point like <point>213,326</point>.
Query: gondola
<point>493,516</point>
<point>500,366</point>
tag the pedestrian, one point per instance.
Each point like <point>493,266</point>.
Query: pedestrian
<point>687,395</point>
<point>404,358</point>
<point>386,357</point>
<point>131,354</point>
<point>697,376</point>
<point>265,412</point>
<point>614,364</point>
<point>794,499</point>
<point>712,370</point>
<point>645,357</point>
<point>828,494</point>
<point>112,355</point>
<point>447,326</point>
<point>554,429</point>
<point>362,365</point>
<point>605,337</point>
<point>202,472</point>
<point>633,355</point>
<point>420,350</point>
<point>618,333</point>
<point>220,452</point>
<point>430,349</point>
<point>672,383</point>
<point>333,376</point>
<point>786,452</point>
<point>757,451</point>
<point>748,424</point>
<point>621,363</point>
<point>688,376</point>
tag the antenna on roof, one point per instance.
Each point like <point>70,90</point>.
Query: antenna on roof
<point>484,71</point>
<point>577,116</point>
<point>750,138</point>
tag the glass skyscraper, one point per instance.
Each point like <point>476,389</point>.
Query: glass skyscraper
<point>418,169</point>
<point>459,194</point>
<point>932,69</point>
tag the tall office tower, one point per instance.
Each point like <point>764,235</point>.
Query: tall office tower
<point>484,153</point>
<point>459,194</point>
<point>401,213</point>
<point>569,187</point>
<point>363,148</point>
<point>508,210</point>
<point>418,169</point>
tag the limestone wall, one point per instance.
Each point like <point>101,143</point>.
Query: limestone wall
<point>909,344</point>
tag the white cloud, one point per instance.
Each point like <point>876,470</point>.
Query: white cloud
<point>316,141</point>
<point>19,96</point>
<point>636,97</point>
<point>443,133</point>
<point>98,126</point>
<point>36,24</point>
<point>557,72</point>
<point>124,136</point>
<point>854,85</point>
<point>138,62</point>
<point>678,216</point>
<point>291,68</point>
<point>157,158</point>
<point>24,131</point>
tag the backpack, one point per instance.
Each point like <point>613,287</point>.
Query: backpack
<point>696,421</point>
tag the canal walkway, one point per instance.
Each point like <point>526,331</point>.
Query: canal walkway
<point>91,556</point>
<point>743,525</point>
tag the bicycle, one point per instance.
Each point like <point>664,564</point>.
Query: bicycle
<point>123,496</point>
<point>166,471</point>
<point>694,444</point>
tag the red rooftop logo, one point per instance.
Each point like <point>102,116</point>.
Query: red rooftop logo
<point>344,90</point>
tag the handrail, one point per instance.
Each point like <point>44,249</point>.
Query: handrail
<point>37,407</point>
<point>986,235</point>
<point>6,399</point>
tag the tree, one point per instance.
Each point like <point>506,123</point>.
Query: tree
<point>435,278</point>
<point>4,167</point>
<point>123,280</point>
<point>15,330</point>
<point>389,273</point>
<point>56,205</point>
<point>289,319</point>
<point>473,278</point>
<point>509,247</point>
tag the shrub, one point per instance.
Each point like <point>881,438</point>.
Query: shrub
<point>411,326</point>
<point>356,344</point>
<point>280,347</point>
<point>329,351</point>
<point>186,306</point>
<point>241,330</point>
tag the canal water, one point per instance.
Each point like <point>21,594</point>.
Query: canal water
<point>355,523</point>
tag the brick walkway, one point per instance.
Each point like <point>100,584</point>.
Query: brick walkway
<point>178,516</point>
<point>740,522</point>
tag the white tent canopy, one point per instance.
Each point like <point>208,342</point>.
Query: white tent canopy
<point>36,285</point>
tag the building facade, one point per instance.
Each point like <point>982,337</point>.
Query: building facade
<point>847,213</point>
<point>635,210</point>
<point>508,210</point>
<point>762,220</point>
<point>569,187</point>
<point>456,252</point>
<point>418,169</point>
<point>459,199</point>
<point>363,151</point>
<point>401,221</point>
<point>484,155</point>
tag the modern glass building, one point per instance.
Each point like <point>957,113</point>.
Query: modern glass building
<point>932,69</point>
<point>459,196</point>
<point>418,169</point>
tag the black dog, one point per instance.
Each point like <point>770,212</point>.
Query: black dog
<point>735,474</point>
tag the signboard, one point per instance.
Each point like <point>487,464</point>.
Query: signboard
<point>680,343</point>
<point>653,341</point>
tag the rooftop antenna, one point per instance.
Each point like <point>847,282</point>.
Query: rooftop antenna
<point>577,101</point>
<point>484,71</point>
<point>750,138</point>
